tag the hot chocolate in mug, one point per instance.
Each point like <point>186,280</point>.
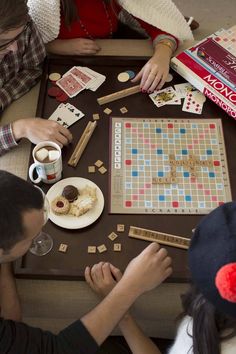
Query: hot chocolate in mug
<point>47,163</point>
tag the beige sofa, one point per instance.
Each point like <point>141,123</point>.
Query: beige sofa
<point>52,305</point>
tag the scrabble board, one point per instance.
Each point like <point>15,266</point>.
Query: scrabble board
<point>227,39</point>
<point>167,166</point>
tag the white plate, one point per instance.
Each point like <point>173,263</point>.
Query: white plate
<point>70,221</point>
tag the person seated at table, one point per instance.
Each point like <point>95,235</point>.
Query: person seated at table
<point>21,56</point>
<point>71,27</point>
<point>21,219</point>
<point>208,324</point>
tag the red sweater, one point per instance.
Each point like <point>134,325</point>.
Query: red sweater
<point>97,22</point>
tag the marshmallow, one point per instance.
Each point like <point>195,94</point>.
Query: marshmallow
<point>53,155</point>
<point>41,154</point>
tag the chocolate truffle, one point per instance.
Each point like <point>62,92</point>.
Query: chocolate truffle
<point>70,193</point>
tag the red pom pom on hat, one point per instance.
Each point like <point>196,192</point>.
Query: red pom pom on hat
<point>225,282</point>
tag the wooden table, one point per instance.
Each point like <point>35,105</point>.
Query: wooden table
<point>71,265</point>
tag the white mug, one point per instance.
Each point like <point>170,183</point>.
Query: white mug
<point>48,172</point>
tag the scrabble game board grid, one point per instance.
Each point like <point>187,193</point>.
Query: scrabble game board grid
<point>227,39</point>
<point>194,196</point>
<point>155,162</point>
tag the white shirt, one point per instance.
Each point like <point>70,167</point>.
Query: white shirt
<point>183,342</point>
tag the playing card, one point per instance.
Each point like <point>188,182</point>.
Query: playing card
<point>70,85</point>
<point>66,115</point>
<point>183,89</point>
<point>81,74</point>
<point>98,79</point>
<point>163,97</point>
<point>175,102</point>
<point>193,102</point>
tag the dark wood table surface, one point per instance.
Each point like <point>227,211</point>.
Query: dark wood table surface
<point>71,265</point>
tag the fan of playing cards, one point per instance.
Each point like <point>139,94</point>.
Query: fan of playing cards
<point>66,114</point>
<point>79,78</point>
<point>193,99</point>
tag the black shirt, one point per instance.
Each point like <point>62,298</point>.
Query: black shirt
<point>18,338</point>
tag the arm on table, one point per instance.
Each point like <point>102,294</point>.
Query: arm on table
<point>75,46</point>
<point>34,129</point>
<point>84,336</point>
<point>154,73</point>
<point>10,303</point>
<point>103,278</point>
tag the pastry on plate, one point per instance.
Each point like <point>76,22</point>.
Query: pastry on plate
<point>70,193</point>
<point>60,206</point>
<point>84,202</point>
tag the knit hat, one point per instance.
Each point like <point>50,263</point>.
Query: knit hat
<point>212,258</point>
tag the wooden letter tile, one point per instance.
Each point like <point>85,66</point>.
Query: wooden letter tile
<point>96,116</point>
<point>123,110</point>
<point>112,236</point>
<point>102,248</point>
<point>107,111</point>
<point>91,169</point>
<point>120,227</point>
<point>92,249</point>
<point>63,248</point>
<point>98,163</point>
<point>117,247</point>
<point>102,170</point>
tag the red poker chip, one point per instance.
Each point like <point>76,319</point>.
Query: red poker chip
<point>62,97</point>
<point>54,91</point>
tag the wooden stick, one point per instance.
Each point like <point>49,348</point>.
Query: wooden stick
<point>82,143</point>
<point>119,94</point>
<point>160,237</point>
<point>71,159</point>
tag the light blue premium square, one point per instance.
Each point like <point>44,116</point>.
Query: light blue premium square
<point>134,173</point>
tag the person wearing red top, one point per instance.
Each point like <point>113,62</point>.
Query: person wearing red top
<point>82,22</point>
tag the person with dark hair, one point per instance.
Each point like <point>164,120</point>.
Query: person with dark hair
<point>208,323</point>
<point>21,56</point>
<point>21,219</point>
<point>71,27</point>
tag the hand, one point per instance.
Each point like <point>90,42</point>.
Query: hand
<point>82,46</point>
<point>37,130</point>
<point>154,73</point>
<point>148,270</point>
<point>102,277</point>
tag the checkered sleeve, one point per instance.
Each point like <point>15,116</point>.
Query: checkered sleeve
<point>7,140</point>
<point>30,68</point>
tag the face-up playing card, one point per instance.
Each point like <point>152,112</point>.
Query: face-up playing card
<point>70,85</point>
<point>66,115</point>
<point>193,102</point>
<point>183,89</point>
<point>165,96</point>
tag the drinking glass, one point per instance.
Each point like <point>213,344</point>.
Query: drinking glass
<point>43,242</point>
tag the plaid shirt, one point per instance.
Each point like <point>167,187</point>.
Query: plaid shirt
<point>19,72</point>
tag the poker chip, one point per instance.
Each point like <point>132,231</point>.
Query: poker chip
<point>169,78</point>
<point>54,91</point>
<point>123,77</point>
<point>131,74</point>
<point>62,97</point>
<point>54,76</point>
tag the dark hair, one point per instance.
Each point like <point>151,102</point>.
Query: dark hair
<point>16,197</point>
<point>13,14</point>
<point>208,322</point>
<point>70,11</point>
